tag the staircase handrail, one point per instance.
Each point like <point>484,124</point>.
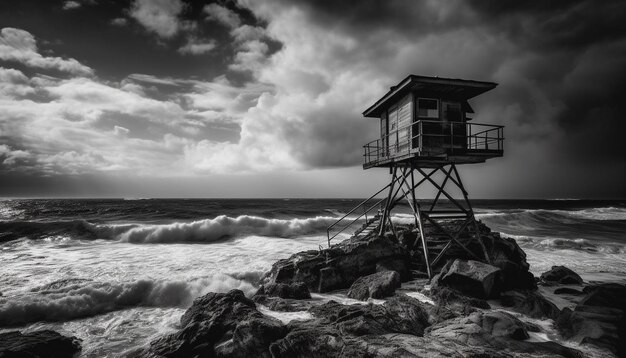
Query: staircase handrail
<point>352,222</point>
<point>353,210</point>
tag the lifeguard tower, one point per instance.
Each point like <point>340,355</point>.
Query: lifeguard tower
<point>426,130</point>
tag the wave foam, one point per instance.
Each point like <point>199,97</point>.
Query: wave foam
<point>208,230</point>
<point>556,243</point>
<point>221,227</point>
<point>76,298</point>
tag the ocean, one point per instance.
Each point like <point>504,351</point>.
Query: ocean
<point>118,273</point>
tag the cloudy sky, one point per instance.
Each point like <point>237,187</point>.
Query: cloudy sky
<point>263,98</point>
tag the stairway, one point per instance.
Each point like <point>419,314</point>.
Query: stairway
<point>436,242</point>
<point>368,227</point>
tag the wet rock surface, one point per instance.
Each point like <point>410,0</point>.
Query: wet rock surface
<point>295,290</point>
<point>471,278</point>
<point>38,344</point>
<point>219,324</point>
<point>460,323</point>
<point>561,275</point>
<point>599,318</point>
<point>339,266</point>
<point>377,285</point>
<point>530,303</point>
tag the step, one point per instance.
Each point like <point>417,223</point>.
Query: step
<point>417,273</point>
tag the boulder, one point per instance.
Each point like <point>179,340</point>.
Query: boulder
<point>472,278</point>
<point>295,290</point>
<point>599,318</point>
<point>339,266</point>
<point>377,285</point>
<point>567,291</point>
<point>495,330</point>
<point>284,304</point>
<point>504,253</point>
<point>319,342</point>
<point>220,324</point>
<point>399,314</point>
<point>605,295</point>
<point>561,275</point>
<point>530,303</point>
<point>450,303</point>
<point>44,344</point>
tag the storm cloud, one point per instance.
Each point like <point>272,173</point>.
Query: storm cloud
<point>280,86</point>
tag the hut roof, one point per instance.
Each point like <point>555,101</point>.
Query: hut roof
<point>452,88</point>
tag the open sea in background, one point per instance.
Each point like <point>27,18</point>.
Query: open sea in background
<point>117,273</point>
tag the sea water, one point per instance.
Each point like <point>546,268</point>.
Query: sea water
<point>118,273</point>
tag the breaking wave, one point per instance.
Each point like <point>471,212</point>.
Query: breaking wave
<point>207,230</point>
<point>554,243</point>
<point>225,227</point>
<point>601,214</point>
<point>77,298</point>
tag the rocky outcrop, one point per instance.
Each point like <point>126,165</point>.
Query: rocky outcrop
<point>399,314</point>
<point>283,304</point>
<point>495,330</point>
<point>44,344</point>
<point>220,324</point>
<point>503,253</point>
<point>377,285</point>
<point>459,324</point>
<point>561,275</point>
<point>599,318</point>
<point>295,290</point>
<point>567,291</point>
<point>530,303</point>
<point>342,264</point>
<point>472,278</point>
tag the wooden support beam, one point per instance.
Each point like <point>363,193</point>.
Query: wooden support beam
<point>443,185</point>
<point>381,231</point>
<point>469,205</point>
<point>418,220</point>
<point>452,200</point>
<point>453,238</point>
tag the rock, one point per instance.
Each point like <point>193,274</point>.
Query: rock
<point>222,324</point>
<point>310,342</point>
<point>504,253</point>
<point>377,285</point>
<point>295,290</point>
<point>606,295</point>
<point>472,278</point>
<point>330,279</point>
<point>599,318</point>
<point>398,266</point>
<point>479,324</point>
<point>252,338</point>
<point>400,314</point>
<point>284,304</point>
<point>562,275</point>
<point>494,330</point>
<point>342,264</point>
<point>601,326</point>
<point>530,303</point>
<point>44,344</point>
<point>567,291</point>
<point>356,330</point>
<point>450,303</point>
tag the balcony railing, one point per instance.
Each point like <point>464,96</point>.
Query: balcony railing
<point>426,137</point>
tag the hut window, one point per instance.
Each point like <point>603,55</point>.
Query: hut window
<point>428,108</point>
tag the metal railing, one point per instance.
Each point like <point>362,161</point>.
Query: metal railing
<point>434,135</point>
<point>365,205</point>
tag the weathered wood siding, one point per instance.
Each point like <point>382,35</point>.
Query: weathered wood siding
<point>405,118</point>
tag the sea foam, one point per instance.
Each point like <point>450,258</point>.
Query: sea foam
<point>70,299</point>
<point>221,227</point>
